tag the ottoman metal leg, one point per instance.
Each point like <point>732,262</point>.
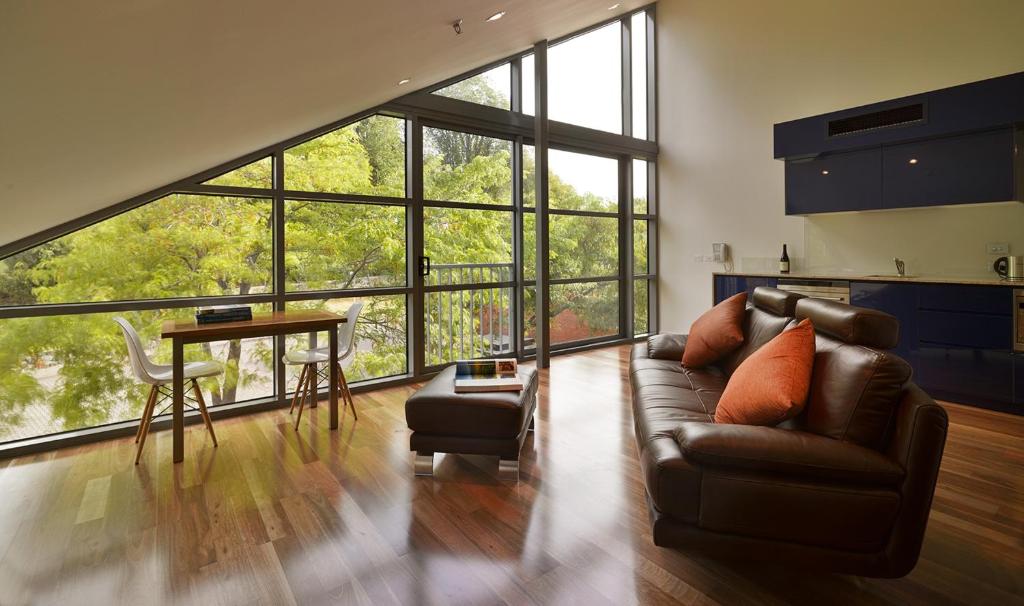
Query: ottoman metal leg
<point>424,464</point>
<point>508,469</point>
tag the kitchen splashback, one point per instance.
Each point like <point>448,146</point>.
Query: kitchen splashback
<point>934,241</point>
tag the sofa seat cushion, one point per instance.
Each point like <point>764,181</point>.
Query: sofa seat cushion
<point>662,416</point>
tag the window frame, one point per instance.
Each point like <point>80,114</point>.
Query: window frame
<point>418,109</point>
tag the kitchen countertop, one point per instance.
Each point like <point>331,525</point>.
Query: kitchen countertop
<point>980,280</point>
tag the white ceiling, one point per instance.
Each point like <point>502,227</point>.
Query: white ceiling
<point>102,101</point>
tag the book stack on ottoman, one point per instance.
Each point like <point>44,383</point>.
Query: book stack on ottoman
<point>479,423</point>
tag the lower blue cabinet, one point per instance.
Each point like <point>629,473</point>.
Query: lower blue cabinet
<point>956,338</point>
<point>727,286</point>
<point>1018,382</point>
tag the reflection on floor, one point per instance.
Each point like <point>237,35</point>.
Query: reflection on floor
<point>279,517</point>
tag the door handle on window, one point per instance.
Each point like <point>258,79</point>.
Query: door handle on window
<point>424,266</point>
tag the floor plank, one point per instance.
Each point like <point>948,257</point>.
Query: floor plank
<point>275,516</point>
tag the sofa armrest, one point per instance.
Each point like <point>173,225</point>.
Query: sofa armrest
<point>784,451</point>
<point>666,346</point>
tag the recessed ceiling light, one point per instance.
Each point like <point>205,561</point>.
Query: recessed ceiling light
<point>615,6</point>
<point>403,81</point>
<point>913,160</point>
<point>496,16</point>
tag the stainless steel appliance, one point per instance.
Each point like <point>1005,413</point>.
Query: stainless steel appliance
<point>833,290</point>
<point>1018,320</point>
<point>1010,268</point>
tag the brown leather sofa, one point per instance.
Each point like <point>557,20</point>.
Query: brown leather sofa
<point>846,486</point>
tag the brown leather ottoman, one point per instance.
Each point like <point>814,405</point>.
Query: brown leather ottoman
<point>485,423</point>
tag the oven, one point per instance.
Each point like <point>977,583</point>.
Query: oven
<point>833,290</point>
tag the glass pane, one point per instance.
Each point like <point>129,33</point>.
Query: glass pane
<point>380,337</point>
<point>257,174</point>
<point>529,90</point>
<point>464,324</point>
<point>462,167</point>
<point>584,311</point>
<point>583,247</point>
<point>530,246</point>
<point>178,246</point>
<point>61,373</point>
<point>640,187</point>
<point>529,177</point>
<point>585,80</point>
<point>493,88</point>
<point>467,246</point>
<point>582,182</point>
<point>638,69</point>
<point>640,295</point>
<point>331,245</point>
<point>640,249</point>
<point>367,157</point>
<point>530,317</point>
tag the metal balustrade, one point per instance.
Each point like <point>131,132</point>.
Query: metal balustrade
<point>470,322</point>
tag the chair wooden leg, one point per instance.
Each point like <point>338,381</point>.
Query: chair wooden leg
<point>150,399</point>
<point>298,388</point>
<point>306,389</point>
<point>347,393</point>
<point>147,418</point>
<point>202,411</point>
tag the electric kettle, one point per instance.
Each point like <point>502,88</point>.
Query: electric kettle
<point>1010,268</point>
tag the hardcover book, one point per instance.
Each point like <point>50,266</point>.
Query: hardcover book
<point>487,375</point>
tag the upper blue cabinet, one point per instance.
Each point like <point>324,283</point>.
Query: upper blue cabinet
<point>960,145</point>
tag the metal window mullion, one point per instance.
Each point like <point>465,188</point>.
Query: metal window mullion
<point>626,58</point>
<point>628,262</point>
<point>516,73</point>
<point>540,138</point>
<point>280,277</point>
<point>516,314</point>
<point>414,245</point>
<point>652,77</point>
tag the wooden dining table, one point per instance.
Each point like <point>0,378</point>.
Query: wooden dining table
<point>184,332</point>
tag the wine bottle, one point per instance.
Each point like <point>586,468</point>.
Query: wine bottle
<point>784,261</point>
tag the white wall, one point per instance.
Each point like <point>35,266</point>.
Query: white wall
<point>729,70</point>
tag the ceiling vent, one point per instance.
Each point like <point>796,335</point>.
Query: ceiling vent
<point>888,118</point>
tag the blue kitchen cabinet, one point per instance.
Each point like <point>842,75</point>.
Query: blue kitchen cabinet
<point>727,286</point>
<point>964,349</point>
<point>1018,382</point>
<point>834,182</point>
<point>896,298</point>
<point>966,169</point>
<point>956,337</point>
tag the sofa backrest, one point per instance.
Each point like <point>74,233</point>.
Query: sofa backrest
<point>856,385</point>
<point>769,311</point>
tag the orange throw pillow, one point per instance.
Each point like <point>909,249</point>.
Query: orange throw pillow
<point>716,333</point>
<point>771,385</point>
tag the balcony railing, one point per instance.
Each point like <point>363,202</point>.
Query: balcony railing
<point>471,322</point>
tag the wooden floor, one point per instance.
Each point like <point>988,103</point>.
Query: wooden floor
<point>315,517</point>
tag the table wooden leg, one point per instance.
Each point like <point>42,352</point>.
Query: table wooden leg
<point>332,382</point>
<point>178,402</point>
